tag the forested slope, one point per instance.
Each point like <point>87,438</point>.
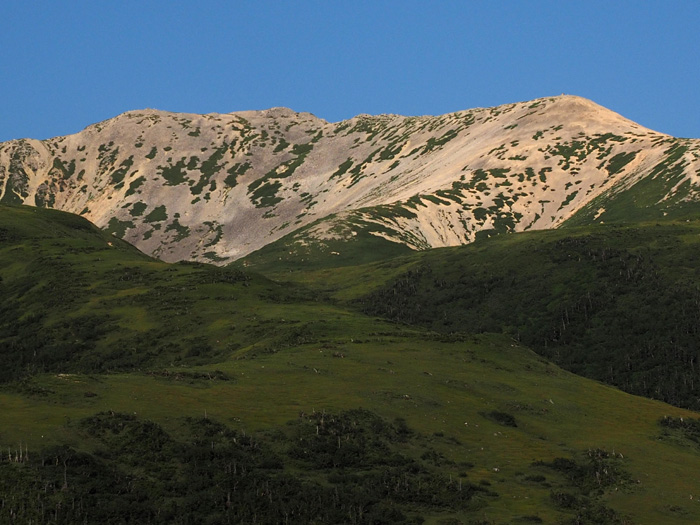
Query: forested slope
<point>620,304</point>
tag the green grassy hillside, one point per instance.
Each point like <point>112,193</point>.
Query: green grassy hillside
<point>617,304</point>
<point>346,244</point>
<point>187,393</point>
<point>75,299</point>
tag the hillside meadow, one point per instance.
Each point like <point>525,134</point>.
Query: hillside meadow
<point>196,394</point>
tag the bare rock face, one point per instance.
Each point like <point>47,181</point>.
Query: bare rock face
<point>217,187</point>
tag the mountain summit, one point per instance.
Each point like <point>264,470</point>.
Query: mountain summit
<point>217,187</point>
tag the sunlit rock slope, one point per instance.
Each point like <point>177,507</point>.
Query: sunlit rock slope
<point>216,187</point>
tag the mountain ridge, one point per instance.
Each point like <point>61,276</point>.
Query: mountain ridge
<point>219,186</point>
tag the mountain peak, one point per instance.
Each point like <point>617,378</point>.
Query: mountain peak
<point>216,187</point>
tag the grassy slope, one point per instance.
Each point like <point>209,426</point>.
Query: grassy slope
<point>77,299</point>
<point>437,387</point>
<point>289,354</point>
<point>615,303</point>
<point>301,251</point>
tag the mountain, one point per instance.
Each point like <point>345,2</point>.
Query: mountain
<point>359,377</point>
<point>217,187</point>
<point>135,390</point>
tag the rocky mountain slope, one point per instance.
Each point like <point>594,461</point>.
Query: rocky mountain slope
<point>217,187</point>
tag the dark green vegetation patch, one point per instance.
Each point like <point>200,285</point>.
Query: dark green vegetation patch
<point>263,191</point>
<point>352,467</point>
<point>234,172</point>
<point>681,430</point>
<point>177,173</point>
<point>158,214</point>
<point>591,474</point>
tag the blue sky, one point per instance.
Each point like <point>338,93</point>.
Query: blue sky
<point>66,65</point>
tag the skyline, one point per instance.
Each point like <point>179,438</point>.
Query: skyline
<point>71,66</point>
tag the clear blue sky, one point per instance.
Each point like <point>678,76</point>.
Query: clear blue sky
<point>68,64</point>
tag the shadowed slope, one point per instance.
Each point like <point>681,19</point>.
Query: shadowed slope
<point>618,304</point>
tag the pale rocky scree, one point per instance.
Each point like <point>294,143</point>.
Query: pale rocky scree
<point>217,187</point>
